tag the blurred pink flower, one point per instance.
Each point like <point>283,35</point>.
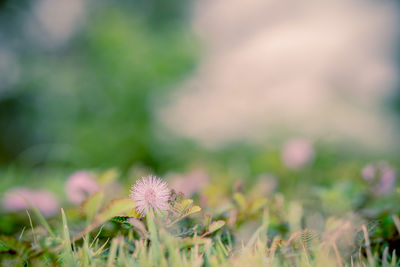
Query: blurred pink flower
<point>80,185</point>
<point>17,199</point>
<point>150,193</point>
<point>267,183</point>
<point>297,152</point>
<point>381,176</point>
<point>387,182</point>
<point>191,183</point>
<point>238,186</point>
<point>368,172</point>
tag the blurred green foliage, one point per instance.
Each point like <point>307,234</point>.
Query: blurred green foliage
<point>92,101</point>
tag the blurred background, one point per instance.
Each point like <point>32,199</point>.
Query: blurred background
<point>171,86</point>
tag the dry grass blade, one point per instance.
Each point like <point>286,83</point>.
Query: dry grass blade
<point>396,221</point>
<point>368,245</point>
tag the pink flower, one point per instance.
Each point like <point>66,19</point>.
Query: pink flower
<point>296,153</point>
<point>191,183</point>
<point>387,182</point>
<point>17,199</point>
<point>368,172</point>
<point>79,186</point>
<point>381,176</point>
<point>150,193</point>
<point>267,183</point>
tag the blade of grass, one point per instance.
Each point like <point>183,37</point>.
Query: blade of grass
<point>337,254</point>
<point>114,208</point>
<point>68,256</point>
<point>100,250</point>
<point>97,236</point>
<point>368,246</point>
<point>394,258</point>
<point>22,233</point>
<point>255,235</point>
<point>113,252</point>
<point>384,257</point>
<point>396,221</point>
<point>40,217</point>
<point>33,230</point>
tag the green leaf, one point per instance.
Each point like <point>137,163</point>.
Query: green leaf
<point>192,210</point>
<point>258,204</point>
<point>183,209</point>
<point>133,213</point>
<point>214,226</point>
<point>181,206</point>
<point>115,208</point>
<point>92,205</point>
<point>240,200</point>
<point>207,220</point>
<point>108,176</point>
<point>121,219</point>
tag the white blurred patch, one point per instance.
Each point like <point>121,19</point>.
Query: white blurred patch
<point>314,68</point>
<point>54,21</point>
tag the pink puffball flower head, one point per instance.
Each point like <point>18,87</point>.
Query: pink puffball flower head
<point>297,153</point>
<point>80,185</point>
<point>18,199</point>
<point>150,193</point>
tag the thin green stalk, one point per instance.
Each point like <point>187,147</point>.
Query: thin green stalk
<point>153,236</point>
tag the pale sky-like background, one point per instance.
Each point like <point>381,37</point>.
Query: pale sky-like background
<point>320,69</point>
